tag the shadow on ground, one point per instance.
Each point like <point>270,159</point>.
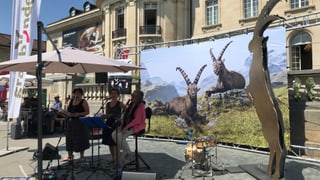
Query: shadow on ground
<point>161,164</point>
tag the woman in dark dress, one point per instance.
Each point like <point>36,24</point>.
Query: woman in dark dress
<point>114,109</point>
<point>77,133</point>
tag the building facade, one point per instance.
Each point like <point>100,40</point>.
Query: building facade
<point>138,25</point>
<point>130,26</point>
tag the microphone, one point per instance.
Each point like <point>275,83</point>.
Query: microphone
<point>74,99</point>
<point>126,107</point>
<point>128,102</point>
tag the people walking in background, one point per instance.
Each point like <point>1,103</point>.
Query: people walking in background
<point>77,134</point>
<point>132,122</point>
<point>114,108</point>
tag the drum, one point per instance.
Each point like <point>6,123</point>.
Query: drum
<point>192,150</point>
<point>203,142</point>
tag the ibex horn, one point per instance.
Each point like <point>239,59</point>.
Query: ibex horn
<point>185,76</point>
<point>212,55</point>
<point>199,74</point>
<point>225,47</point>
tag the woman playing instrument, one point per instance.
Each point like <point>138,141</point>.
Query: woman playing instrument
<point>132,122</point>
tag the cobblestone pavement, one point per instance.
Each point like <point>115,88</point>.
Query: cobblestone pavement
<point>166,159</point>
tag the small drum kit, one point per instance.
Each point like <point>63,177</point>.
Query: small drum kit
<point>197,151</point>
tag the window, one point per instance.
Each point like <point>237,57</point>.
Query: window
<point>150,19</point>
<point>73,12</point>
<point>301,52</point>
<point>212,12</point>
<point>150,14</point>
<point>250,8</point>
<point>87,7</point>
<point>298,3</point>
<point>120,18</point>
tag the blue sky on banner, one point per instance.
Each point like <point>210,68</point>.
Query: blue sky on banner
<point>51,11</point>
<point>161,63</point>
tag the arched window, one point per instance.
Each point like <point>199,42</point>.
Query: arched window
<point>301,51</point>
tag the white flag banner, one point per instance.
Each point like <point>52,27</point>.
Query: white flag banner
<point>25,14</point>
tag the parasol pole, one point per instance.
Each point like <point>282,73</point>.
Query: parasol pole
<point>39,67</point>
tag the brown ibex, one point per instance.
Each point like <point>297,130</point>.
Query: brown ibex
<point>226,79</point>
<point>186,106</point>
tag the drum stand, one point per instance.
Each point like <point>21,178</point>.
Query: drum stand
<point>192,153</point>
<point>216,165</point>
<point>191,134</point>
<point>204,163</point>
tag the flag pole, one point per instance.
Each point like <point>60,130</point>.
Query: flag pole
<point>8,134</point>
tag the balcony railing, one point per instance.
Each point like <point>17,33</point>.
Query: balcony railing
<point>119,33</point>
<point>150,29</point>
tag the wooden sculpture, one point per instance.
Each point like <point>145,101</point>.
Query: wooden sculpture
<point>262,96</point>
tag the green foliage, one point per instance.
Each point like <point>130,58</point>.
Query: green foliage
<point>309,88</point>
<point>163,126</point>
<point>232,120</point>
<point>296,88</point>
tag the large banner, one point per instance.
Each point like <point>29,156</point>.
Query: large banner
<point>201,87</point>
<point>24,25</point>
<point>87,38</point>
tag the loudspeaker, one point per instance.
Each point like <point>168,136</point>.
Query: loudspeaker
<point>16,131</point>
<point>138,176</point>
<point>50,152</point>
<point>101,77</point>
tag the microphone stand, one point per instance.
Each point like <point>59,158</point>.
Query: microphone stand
<point>103,103</point>
<point>118,170</point>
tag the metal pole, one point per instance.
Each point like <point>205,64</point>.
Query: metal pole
<point>39,78</point>
<point>8,134</point>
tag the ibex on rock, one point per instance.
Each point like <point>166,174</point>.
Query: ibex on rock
<point>186,106</point>
<point>226,79</point>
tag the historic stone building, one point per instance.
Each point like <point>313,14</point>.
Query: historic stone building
<point>129,26</point>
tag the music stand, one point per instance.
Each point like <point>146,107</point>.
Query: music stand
<point>93,123</point>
